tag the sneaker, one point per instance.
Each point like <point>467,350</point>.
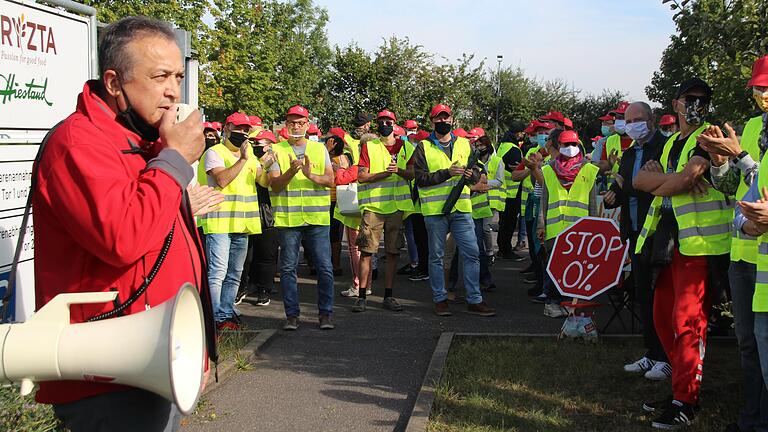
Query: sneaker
<point>539,298</point>
<point>359,305</point>
<point>656,406</point>
<point>676,416</point>
<point>262,300</point>
<point>326,323</point>
<point>351,292</point>
<point>554,310</point>
<point>240,296</point>
<point>643,365</point>
<point>659,372</point>
<point>392,304</point>
<point>442,308</point>
<point>481,309</point>
<point>417,276</point>
<point>291,323</point>
<point>406,269</point>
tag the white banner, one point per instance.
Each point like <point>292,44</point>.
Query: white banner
<point>44,62</point>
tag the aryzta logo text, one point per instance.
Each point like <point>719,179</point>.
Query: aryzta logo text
<point>26,35</point>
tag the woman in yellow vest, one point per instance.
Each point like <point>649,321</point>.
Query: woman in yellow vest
<point>568,194</point>
<point>300,185</point>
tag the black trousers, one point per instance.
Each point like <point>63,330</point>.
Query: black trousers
<point>508,224</point>
<point>422,241</point>
<point>261,261</point>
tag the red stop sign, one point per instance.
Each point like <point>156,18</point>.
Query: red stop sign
<point>587,258</point>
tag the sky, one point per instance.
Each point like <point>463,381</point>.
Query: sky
<point>591,44</point>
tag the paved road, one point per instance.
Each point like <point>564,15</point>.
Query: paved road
<point>363,376</point>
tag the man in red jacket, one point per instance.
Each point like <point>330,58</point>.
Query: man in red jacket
<point>111,189</point>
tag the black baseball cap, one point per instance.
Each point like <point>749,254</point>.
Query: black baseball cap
<point>692,83</point>
<point>361,119</point>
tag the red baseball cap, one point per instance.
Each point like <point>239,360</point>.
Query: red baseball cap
<point>255,121</point>
<point>567,123</point>
<point>267,135</point>
<point>541,125</point>
<point>477,132</point>
<point>569,136</point>
<point>338,132</point>
<point>283,133</point>
<point>216,125</point>
<point>421,135</point>
<point>439,108</point>
<point>607,117</point>
<point>553,115</point>
<point>460,133</point>
<point>313,129</point>
<point>386,114</point>
<point>759,72</point>
<point>622,108</point>
<point>297,110</point>
<point>411,124</point>
<point>597,138</point>
<point>667,120</point>
<point>208,125</point>
<point>399,131</point>
<point>238,119</point>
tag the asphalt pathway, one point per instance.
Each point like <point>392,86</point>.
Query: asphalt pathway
<point>365,374</point>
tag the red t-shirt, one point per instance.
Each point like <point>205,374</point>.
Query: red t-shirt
<point>393,150</point>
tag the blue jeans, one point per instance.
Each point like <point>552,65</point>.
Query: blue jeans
<point>317,240</point>
<point>522,233</point>
<point>462,227</point>
<point>413,253</point>
<point>226,255</point>
<point>754,413</point>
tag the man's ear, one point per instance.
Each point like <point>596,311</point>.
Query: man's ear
<point>112,83</point>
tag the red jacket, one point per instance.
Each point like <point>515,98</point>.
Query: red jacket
<point>100,220</point>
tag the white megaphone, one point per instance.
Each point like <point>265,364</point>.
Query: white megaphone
<point>161,350</point>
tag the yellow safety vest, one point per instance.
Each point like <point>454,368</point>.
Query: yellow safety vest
<point>760,299</point>
<point>481,203</point>
<point>498,197</point>
<point>511,186</point>
<point>390,194</point>
<point>433,197</point>
<point>353,146</point>
<point>239,213</point>
<point>743,246</point>
<point>302,201</point>
<point>564,207</point>
<point>527,183</point>
<point>704,222</point>
<point>614,143</point>
<point>407,152</point>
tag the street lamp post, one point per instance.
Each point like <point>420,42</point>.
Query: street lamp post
<point>498,93</point>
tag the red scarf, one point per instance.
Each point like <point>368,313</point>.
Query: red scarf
<point>567,169</point>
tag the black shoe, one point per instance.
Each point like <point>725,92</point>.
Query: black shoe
<point>658,405</point>
<point>418,276</point>
<point>263,300</point>
<point>528,270</point>
<point>375,274</point>
<point>240,296</point>
<point>676,416</point>
<point>406,270</point>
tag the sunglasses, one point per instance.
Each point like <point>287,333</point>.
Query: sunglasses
<point>702,100</point>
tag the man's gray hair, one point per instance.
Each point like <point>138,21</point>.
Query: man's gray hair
<point>646,108</point>
<point>113,53</point>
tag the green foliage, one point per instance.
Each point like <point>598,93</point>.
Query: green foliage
<point>717,41</point>
<point>22,414</point>
<point>184,14</point>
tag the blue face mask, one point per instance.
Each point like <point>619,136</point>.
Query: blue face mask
<point>605,130</point>
<point>541,140</point>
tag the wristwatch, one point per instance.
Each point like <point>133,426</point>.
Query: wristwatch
<point>741,156</point>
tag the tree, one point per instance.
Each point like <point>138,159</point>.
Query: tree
<point>185,14</point>
<point>716,40</point>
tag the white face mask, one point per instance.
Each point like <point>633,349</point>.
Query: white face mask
<point>620,126</point>
<point>666,133</point>
<point>638,131</point>
<point>314,138</point>
<point>569,151</point>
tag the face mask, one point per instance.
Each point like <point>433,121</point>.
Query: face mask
<point>443,128</point>
<point>134,122</point>
<point>605,130</point>
<point>694,112</point>
<point>532,140</point>
<point>385,130</point>
<point>620,126</point>
<point>411,132</point>
<point>482,151</point>
<point>210,142</point>
<point>314,138</point>
<point>259,151</point>
<point>541,140</point>
<point>761,99</point>
<point>667,133</point>
<point>237,139</point>
<point>569,151</point>
<point>638,131</point>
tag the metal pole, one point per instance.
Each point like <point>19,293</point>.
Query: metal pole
<point>498,94</point>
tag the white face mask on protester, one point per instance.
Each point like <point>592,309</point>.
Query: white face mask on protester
<point>569,151</point>
<point>314,138</point>
<point>638,131</point>
<point>620,126</point>
<point>667,133</point>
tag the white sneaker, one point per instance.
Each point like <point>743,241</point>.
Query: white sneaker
<point>351,292</point>
<point>554,311</point>
<point>659,372</point>
<point>643,365</point>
